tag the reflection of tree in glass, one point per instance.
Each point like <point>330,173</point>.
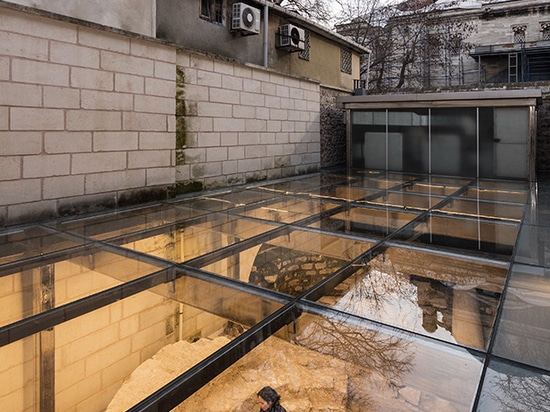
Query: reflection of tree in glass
<point>360,346</point>
<point>522,393</point>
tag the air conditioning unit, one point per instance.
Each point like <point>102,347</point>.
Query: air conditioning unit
<point>245,19</point>
<point>291,38</point>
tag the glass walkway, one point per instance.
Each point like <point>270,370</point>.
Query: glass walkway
<point>375,291</point>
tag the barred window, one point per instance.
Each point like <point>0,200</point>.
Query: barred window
<point>519,33</point>
<point>304,54</point>
<point>545,30</point>
<point>212,10</point>
<point>345,61</point>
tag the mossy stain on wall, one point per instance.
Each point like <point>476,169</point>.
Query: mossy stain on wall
<point>181,130</point>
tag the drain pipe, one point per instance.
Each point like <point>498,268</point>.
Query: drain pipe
<point>266,24</point>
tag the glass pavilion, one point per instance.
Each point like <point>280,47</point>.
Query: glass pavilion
<point>371,290</point>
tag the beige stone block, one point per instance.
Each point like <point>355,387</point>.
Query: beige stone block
<point>46,165</point>
<point>269,89</point>
<point>249,165</point>
<point>67,375</point>
<point>201,62</point>
<point>35,72</point>
<point>263,75</point>
<point>249,138</point>
<point>252,86</point>
<point>20,191</point>
<point>160,176</point>
<point>129,83</point>
<point>161,87</point>
<point>67,142</point>
<point>224,96</point>
<point>230,167</point>
<point>157,140</point>
<point>254,125</point>
<point>273,102</point>
<point>36,119</point>
<point>108,182</point>
<point>229,139</point>
<point>17,94</point>
<point>195,92</point>
<point>83,78</point>
<point>245,112</point>
<point>166,71</point>
<point>231,125</point>
<point>98,162</point>
<point>4,68</point>
<point>235,153</point>
<point>216,154</point>
<point>149,158</point>
<point>150,50</point>
<point>206,170</point>
<point>207,109</point>
<point>144,122</point>
<point>25,23</point>
<point>104,100</point>
<point>195,156</point>
<point>17,45</point>
<point>61,97</point>
<point>145,337</point>
<point>83,389</point>
<point>4,118</point>
<point>121,63</point>
<point>255,151</point>
<point>86,120</point>
<point>103,40</point>
<point>128,325</point>
<point>200,124</point>
<point>115,141</point>
<point>107,356</point>
<point>232,83</point>
<point>63,186</point>
<point>252,99</point>
<point>209,79</point>
<point>154,104</point>
<point>74,55</point>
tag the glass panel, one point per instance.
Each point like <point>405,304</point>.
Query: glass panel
<point>291,263</point>
<point>467,234</point>
<point>332,363</point>
<point>524,328</point>
<point>19,244</point>
<point>190,239</point>
<point>287,209</point>
<point>429,189</point>
<point>454,141</point>
<point>106,226</point>
<point>484,209</point>
<point>447,297</point>
<point>46,284</point>
<point>408,140</point>
<point>363,221</point>
<point>93,361</point>
<point>368,139</point>
<point>532,247</point>
<point>511,142</point>
<point>407,201</point>
<point>497,195</point>
<point>510,387</point>
<point>305,184</point>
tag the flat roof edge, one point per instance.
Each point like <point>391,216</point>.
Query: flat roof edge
<point>441,96</point>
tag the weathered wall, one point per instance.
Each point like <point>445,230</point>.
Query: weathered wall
<point>137,16</point>
<point>543,135</point>
<point>89,119</point>
<point>333,129</point>
<point>239,123</point>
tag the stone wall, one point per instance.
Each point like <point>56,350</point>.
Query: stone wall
<point>543,135</point>
<point>239,123</point>
<point>92,118</point>
<point>333,129</point>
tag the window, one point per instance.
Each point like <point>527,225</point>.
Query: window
<point>212,10</point>
<point>519,33</point>
<point>345,61</point>
<point>304,54</point>
<point>545,30</point>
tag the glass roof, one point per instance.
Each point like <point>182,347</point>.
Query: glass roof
<point>357,282</point>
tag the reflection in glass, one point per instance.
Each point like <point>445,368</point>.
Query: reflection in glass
<point>524,328</point>
<point>291,263</point>
<point>189,239</point>
<point>450,298</point>
<point>511,387</point>
<point>342,364</point>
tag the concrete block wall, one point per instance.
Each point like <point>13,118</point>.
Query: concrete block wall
<point>86,115</point>
<point>244,123</point>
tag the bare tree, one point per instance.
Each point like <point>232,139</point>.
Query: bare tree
<point>411,42</point>
<point>316,10</point>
